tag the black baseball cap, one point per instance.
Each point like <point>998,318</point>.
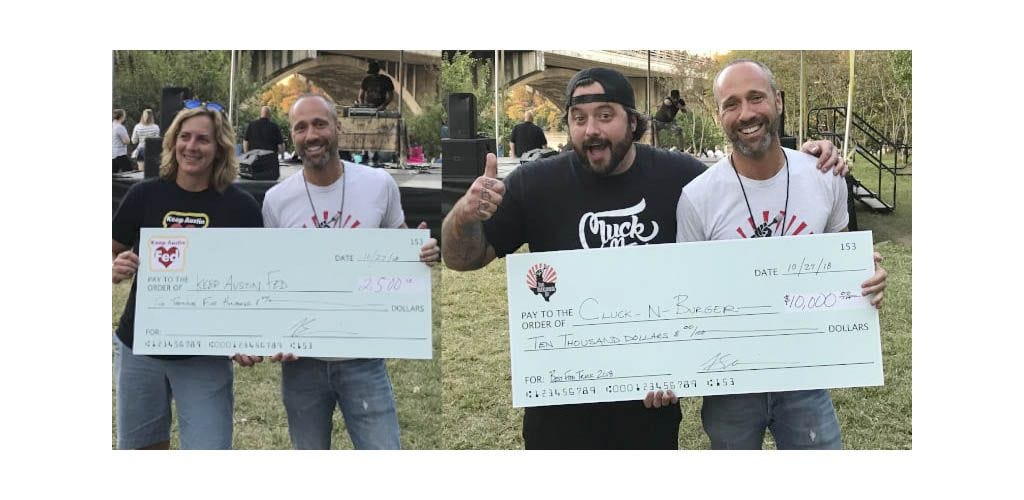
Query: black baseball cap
<point>616,88</point>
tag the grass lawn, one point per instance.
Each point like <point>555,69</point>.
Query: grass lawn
<point>476,384</point>
<point>260,419</point>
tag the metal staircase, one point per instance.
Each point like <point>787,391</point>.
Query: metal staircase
<point>867,143</point>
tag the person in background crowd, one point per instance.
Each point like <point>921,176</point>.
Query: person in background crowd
<point>145,128</point>
<point>119,142</point>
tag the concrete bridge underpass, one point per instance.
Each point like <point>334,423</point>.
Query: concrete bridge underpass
<point>340,73</point>
<point>548,72</point>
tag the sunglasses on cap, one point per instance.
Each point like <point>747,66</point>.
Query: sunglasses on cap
<point>196,103</point>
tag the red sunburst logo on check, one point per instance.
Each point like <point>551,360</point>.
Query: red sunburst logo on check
<point>541,280</point>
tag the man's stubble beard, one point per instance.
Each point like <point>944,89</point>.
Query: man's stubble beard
<point>759,150</point>
<point>325,159</point>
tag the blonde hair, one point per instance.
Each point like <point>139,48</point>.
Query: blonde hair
<point>225,165</point>
<point>147,117</point>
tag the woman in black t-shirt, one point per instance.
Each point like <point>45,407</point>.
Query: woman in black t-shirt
<point>194,189</point>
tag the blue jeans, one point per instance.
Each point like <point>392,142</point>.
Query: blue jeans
<point>799,420</point>
<point>311,389</point>
<point>200,387</point>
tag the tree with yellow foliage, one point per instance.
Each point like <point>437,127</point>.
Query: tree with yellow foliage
<point>522,98</point>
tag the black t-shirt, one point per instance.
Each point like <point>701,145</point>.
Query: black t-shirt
<point>558,204</point>
<point>263,134</point>
<point>377,87</point>
<point>526,136</point>
<point>160,203</point>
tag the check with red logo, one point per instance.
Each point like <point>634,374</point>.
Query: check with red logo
<point>333,293</point>
<point>707,318</point>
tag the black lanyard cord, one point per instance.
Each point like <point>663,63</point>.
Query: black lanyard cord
<point>785,211</point>
<point>316,220</point>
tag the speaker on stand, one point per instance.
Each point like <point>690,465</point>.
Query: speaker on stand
<point>462,154</point>
<point>151,161</point>
<point>172,99</point>
<point>461,116</point>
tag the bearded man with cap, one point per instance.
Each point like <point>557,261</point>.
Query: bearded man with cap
<point>561,203</point>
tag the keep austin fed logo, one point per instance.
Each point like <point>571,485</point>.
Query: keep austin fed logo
<point>167,254</point>
<point>541,280</point>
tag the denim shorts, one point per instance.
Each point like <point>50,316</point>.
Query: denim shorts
<point>312,388</point>
<point>200,387</point>
<point>799,420</point>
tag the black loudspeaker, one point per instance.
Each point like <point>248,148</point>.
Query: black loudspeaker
<point>461,116</point>
<point>462,161</point>
<point>787,141</point>
<point>172,99</point>
<point>154,146</point>
<point>782,116</point>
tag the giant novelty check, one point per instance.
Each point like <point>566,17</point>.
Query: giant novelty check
<point>352,293</point>
<point>723,317</point>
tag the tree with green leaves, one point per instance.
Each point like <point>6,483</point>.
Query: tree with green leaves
<point>140,76</point>
<point>459,73</point>
<point>882,94</point>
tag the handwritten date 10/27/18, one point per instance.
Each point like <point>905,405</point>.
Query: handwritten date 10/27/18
<point>803,267</point>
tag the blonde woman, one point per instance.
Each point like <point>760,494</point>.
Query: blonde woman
<point>197,169</point>
<point>145,128</point>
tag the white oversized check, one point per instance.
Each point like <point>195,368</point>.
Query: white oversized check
<point>723,317</point>
<point>351,293</point>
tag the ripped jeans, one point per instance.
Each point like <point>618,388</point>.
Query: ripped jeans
<point>311,388</point>
<point>799,420</point>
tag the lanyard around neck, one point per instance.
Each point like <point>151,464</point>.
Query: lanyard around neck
<point>758,231</point>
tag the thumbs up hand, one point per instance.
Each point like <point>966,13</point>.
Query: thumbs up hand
<point>484,196</point>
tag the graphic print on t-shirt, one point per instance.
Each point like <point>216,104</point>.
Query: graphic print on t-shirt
<point>766,228</point>
<point>617,228</point>
<point>186,219</point>
<point>324,222</point>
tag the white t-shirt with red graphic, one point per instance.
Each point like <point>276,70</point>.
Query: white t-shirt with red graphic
<point>712,206</point>
<point>371,199</point>
<point>371,196</point>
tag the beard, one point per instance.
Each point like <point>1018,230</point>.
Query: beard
<point>761,147</point>
<point>329,155</point>
<point>619,150</point>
